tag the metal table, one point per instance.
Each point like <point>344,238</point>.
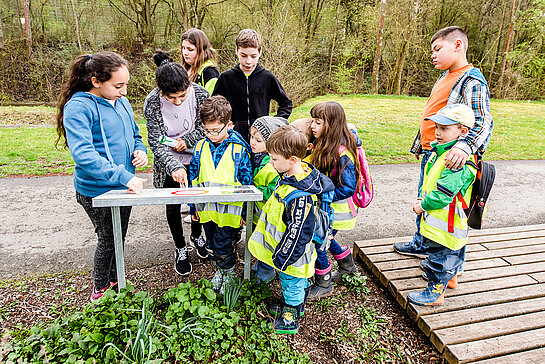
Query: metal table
<point>172,196</point>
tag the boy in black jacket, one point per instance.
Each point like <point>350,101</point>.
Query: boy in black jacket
<point>249,87</point>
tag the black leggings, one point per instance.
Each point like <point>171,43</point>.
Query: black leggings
<point>174,219</point>
<point>104,267</point>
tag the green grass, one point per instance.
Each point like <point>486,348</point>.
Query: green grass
<point>386,125</point>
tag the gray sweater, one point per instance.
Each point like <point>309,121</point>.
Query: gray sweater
<point>164,163</point>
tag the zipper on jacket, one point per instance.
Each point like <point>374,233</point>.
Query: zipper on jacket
<point>248,100</point>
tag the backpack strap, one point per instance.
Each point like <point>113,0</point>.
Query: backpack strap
<point>236,154</point>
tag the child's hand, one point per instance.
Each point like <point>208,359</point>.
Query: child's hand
<point>180,176</point>
<point>455,158</point>
<point>181,145</point>
<point>136,185</point>
<point>417,208</point>
<point>140,158</point>
<point>195,217</point>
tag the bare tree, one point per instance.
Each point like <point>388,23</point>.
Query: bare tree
<point>378,52</point>
<point>77,24</point>
<point>507,47</point>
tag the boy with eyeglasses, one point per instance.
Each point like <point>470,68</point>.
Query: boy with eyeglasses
<point>220,159</point>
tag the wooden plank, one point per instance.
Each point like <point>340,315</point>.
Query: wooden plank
<point>481,299</point>
<point>383,241</point>
<point>539,277</point>
<point>389,249</point>
<point>487,329</point>
<point>415,271</point>
<point>489,348</point>
<point>527,258</point>
<point>442,320</point>
<point>535,356</point>
<point>501,253</point>
<point>398,264</point>
<point>508,229</point>
<point>507,237</point>
<point>477,286</point>
<point>511,243</point>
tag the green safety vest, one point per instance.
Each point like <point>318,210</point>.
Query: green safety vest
<point>345,212</point>
<point>269,232</point>
<point>263,178</point>
<point>446,226</point>
<point>211,84</point>
<point>224,175</point>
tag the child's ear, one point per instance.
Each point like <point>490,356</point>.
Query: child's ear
<point>465,130</point>
<point>310,146</point>
<point>95,82</point>
<point>230,125</point>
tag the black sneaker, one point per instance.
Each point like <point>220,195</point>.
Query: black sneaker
<point>200,244</point>
<point>182,266</point>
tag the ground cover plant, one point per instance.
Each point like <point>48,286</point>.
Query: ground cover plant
<point>386,125</point>
<point>186,322</point>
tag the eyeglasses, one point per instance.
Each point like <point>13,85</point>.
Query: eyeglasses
<point>214,132</point>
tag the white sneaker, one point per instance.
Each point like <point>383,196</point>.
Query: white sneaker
<point>184,209</point>
<point>187,219</point>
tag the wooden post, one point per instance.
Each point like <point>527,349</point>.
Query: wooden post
<point>378,53</point>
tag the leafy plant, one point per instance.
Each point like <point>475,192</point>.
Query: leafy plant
<point>232,293</point>
<point>356,283</point>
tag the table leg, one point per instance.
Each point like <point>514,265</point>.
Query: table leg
<point>249,229</point>
<point>118,244</point>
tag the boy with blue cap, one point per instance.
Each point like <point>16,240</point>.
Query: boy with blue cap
<point>444,195</point>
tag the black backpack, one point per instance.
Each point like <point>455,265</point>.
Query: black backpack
<point>476,209</point>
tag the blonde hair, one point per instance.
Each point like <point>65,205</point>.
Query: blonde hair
<point>288,141</point>
<point>304,124</point>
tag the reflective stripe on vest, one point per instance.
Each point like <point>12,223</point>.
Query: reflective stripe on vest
<point>269,231</point>
<point>224,175</point>
<point>211,84</point>
<point>266,175</point>
<point>435,223</point>
<point>344,217</point>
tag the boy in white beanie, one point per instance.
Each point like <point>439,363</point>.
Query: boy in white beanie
<point>445,194</point>
<point>265,176</point>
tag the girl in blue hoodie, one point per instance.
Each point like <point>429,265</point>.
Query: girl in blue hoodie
<point>95,121</point>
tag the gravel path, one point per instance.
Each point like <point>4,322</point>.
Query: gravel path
<point>44,230</point>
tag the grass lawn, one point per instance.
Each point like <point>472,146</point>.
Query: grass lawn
<point>386,124</point>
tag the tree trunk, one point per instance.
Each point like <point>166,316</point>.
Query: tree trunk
<point>507,45</point>
<point>497,46</point>
<point>378,53</point>
<point>28,34</point>
<point>405,50</point>
<point>334,38</point>
<point>77,24</point>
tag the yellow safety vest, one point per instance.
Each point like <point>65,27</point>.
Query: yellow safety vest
<point>211,84</point>
<point>269,232</point>
<point>265,176</point>
<point>345,212</point>
<point>436,225</point>
<point>224,175</point>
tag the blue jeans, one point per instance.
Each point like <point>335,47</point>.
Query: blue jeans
<point>322,262</point>
<point>417,238</point>
<point>293,288</point>
<point>442,263</point>
<point>221,241</point>
<point>264,272</point>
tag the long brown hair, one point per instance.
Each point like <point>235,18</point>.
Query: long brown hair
<point>204,50</point>
<point>325,155</point>
<point>86,66</point>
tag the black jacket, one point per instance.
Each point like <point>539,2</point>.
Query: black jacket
<point>250,97</point>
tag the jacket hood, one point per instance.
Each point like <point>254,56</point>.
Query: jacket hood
<point>258,69</point>
<point>314,182</point>
<point>477,74</point>
<point>235,137</point>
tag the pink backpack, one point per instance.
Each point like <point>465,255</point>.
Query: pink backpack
<point>364,192</point>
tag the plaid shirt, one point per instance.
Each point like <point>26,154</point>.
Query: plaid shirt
<point>471,89</point>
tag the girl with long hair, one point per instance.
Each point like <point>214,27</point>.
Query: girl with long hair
<point>198,59</point>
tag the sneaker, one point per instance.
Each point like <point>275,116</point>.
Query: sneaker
<point>200,245</point>
<point>453,283</point>
<point>433,295</point>
<point>184,209</point>
<point>95,295</point>
<point>412,249</point>
<point>187,219</point>
<point>182,265</point>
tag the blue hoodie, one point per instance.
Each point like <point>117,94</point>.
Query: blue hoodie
<point>299,217</point>
<point>102,139</point>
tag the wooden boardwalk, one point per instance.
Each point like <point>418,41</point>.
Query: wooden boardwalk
<point>497,313</point>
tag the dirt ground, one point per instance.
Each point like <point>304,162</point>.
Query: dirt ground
<point>47,245</point>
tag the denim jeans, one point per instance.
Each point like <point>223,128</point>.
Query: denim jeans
<point>442,263</point>
<point>264,272</point>
<point>104,267</point>
<point>417,238</point>
<point>322,262</point>
<point>221,241</point>
<point>293,288</point>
